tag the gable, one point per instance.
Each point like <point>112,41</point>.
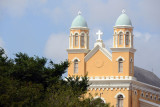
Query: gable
<point>93,51</point>
<point>99,65</point>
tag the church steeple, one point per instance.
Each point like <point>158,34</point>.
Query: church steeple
<point>79,33</point>
<point>78,46</point>
<point>123,50</point>
<point>123,32</point>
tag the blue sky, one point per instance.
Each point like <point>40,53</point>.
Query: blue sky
<point>41,27</point>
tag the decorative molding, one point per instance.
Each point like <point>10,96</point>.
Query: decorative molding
<point>112,78</point>
<point>78,50</point>
<point>151,103</point>
<point>83,33</point>
<point>75,33</point>
<point>145,87</point>
<point>127,31</point>
<point>120,57</point>
<point>80,28</point>
<point>120,32</point>
<point>131,59</point>
<point>75,59</point>
<point>123,50</point>
<point>100,98</point>
<point>119,93</point>
<point>123,26</point>
<point>94,50</point>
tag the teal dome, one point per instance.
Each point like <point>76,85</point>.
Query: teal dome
<point>79,22</point>
<point>123,20</point>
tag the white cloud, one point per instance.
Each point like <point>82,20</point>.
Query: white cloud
<point>148,51</point>
<point>56,47</point>
<point>17,8</point>
<point>13,7</point>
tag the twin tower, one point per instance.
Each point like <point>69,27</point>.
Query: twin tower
<point>99,61</point>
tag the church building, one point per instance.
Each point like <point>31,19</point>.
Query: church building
<point>113,76</point>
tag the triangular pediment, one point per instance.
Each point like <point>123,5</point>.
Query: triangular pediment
<point>95,49</point>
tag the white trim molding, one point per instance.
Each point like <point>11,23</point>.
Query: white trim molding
<point>148,102</point>
<point>119,93</point>
<point>120,57</point>
<point>127,31</point>
<point>120,32</point>
<point>94,50</point>
<point>100,98</point>
<point>123,50</point>
<point>131,59</point>
<point>75,33</point>
<point>75,59</point>
<point>83,33</point>
<point>78,50</point>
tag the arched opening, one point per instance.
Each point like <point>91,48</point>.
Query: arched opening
<point>75,66</point>
<point>82,39</point>
<point>120,38</point>
<point>99,99</point>
<point>120,101</point>
<point>120,65</point>
<point>127,38</point>
<point>131,64</point>
<point>76,39</point>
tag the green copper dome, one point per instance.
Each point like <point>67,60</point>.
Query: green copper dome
<point>123,20</point>
<point>79,22</point>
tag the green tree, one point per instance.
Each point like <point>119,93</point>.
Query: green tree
<point>33,81</point>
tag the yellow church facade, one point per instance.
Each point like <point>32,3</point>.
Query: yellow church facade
<point>113,76</point>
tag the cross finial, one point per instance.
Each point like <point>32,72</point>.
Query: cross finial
<point>79,12</point>
<point>123,11</point>
<point>99,33</point>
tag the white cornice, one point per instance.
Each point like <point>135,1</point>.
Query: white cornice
<point>148,102</point>
<point>123,50</point>
<point>124,26</point>
<point>81,28</point>
<point>145,87</point>
<point>122,82</point>
<point>94,50</point>
<point>78,50</point>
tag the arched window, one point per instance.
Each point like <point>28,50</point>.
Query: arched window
<point>120,38</point>
<point>76,39</point>
<point>115,36</point>
<point>120,101</point>
<point>127,38</point>
<point>75,66</point>
<point>82,39</point>
<point>131,64</point>
<point>120,65</point>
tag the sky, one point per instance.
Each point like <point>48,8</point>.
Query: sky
<point>41,27</point>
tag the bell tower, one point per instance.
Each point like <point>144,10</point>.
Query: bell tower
<point>78,46</point>
<point>123,49</point>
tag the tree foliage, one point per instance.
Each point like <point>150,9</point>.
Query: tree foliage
<point>36,82</point>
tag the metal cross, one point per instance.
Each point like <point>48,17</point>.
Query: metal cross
<point>123,11</point>
<point>99,33</point>
<point>79,12</point>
